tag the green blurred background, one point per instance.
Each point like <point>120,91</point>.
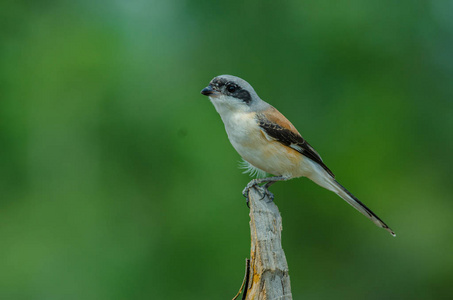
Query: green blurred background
<point>117,180</point>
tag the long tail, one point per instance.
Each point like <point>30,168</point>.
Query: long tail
<point>354,202</point>
<point>327,181</point>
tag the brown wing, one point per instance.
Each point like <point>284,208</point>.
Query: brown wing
<point>276,126</point>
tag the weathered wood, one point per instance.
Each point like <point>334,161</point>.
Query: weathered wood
<point>269,278</point>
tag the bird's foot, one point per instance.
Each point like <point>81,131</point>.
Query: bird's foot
<point>261,189</point>
<point>246,190</point>
<point>252,183</point>
<point>269,194</point>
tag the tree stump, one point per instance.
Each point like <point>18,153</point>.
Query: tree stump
<point>268,276</point>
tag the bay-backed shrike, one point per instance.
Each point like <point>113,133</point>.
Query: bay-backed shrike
<point>269,143</point>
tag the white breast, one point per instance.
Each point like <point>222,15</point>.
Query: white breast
<point>250,142</point>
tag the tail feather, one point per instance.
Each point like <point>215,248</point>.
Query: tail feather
<point>323,179</point>
<point>357,204</point>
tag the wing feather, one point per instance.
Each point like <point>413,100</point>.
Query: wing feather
<point>276,127</point>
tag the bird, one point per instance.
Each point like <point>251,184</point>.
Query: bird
<point>270,144</point>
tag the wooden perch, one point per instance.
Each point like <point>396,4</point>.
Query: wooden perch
<point>268,276</point>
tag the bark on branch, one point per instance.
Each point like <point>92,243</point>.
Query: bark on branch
<point>268,277</point>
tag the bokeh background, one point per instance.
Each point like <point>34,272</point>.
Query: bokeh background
<point>117,180</point>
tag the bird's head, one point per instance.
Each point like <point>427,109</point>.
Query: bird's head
<point>234,93</point>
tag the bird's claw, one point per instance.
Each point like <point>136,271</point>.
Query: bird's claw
<point>261,189</point>
<point>245,191</point>
<point>269,194</point>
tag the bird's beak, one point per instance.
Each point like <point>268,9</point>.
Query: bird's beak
<point>208,91</point>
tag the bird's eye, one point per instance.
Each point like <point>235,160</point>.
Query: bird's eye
<point>231,88</point>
